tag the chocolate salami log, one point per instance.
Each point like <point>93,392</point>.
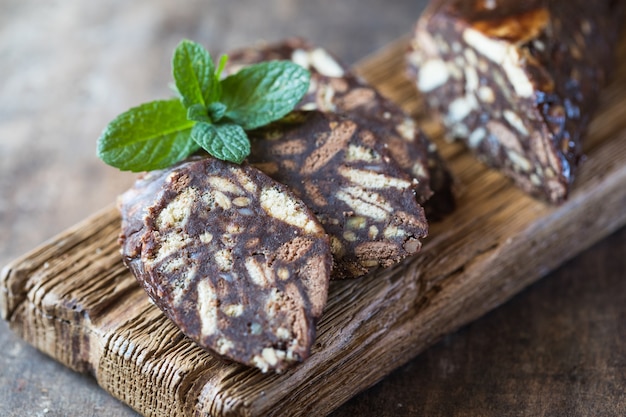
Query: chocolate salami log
<point>232,257</point>
<point>341,169</point>
<point>334,89</point>
<point>518,81</point>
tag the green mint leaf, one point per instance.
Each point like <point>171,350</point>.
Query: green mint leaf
<point>194,74</point>
<point>265,92</point>
<point>211,113</point>
<point>216,111</point>
<point>151,136</point>
<point>228,142</point>
<point>198,113</point>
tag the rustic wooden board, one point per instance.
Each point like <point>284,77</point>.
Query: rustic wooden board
<point>74,300</point>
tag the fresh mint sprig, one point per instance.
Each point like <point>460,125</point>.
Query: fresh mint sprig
<point>211,113</point>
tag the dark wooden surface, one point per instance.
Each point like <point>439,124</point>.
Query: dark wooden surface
<point>557,349</point>
<point>69,67</point>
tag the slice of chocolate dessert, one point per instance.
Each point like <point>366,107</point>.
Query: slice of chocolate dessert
<point>335,89</point>
<point>232,257</point>
<point>341,168</point>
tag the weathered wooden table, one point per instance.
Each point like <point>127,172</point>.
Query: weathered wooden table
<point>68,67</point>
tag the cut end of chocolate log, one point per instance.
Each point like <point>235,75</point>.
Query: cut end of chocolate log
<point>518,82</point>
<point>232,257</point>
<point>334,89</point>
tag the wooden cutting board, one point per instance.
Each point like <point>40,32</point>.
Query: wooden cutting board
<point>74,300</point>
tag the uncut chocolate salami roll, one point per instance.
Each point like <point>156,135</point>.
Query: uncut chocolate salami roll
<point>232,257</point>
<point>335,89</point>
<point>518,81</point>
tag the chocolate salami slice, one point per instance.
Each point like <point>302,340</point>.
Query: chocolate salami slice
<point>518,81</point>
<point>341,169</point>
<point>334,89</point>
<point>232,257</point>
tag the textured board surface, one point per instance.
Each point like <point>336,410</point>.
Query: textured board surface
<point>74,300</point>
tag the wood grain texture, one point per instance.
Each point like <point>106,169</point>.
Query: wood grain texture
<point>73,299</point>
<point>556,349</point>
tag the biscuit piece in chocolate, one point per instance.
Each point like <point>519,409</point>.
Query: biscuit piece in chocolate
<point>334,89</point>
<point>232,257</point>
<point>341,169</point>
<point>517,81</point>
